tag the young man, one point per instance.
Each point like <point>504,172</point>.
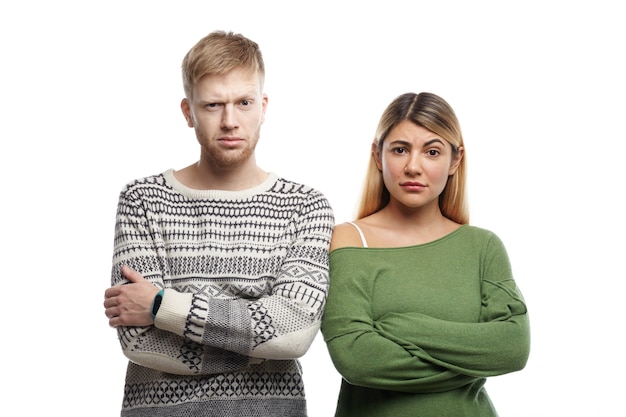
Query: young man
<point>225,265</point>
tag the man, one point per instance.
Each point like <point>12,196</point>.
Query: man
<point>220,269</point>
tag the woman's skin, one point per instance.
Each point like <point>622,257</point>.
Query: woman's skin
<point>415,164</point>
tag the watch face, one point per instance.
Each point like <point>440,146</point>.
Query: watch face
<point>156,304</point>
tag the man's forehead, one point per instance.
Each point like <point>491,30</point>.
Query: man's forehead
<point>228,86</point>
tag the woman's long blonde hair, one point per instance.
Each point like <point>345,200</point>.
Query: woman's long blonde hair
<point>435,114</point>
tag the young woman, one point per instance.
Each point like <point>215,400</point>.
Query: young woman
<point>422,307</point>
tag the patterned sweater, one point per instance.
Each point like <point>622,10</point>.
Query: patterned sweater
<point>245,275</point>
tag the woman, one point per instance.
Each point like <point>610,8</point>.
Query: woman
<point>422,306</point>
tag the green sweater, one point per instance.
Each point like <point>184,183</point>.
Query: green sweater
<point>414,331</point>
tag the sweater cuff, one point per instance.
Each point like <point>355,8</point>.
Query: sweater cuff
<point>172,315</point>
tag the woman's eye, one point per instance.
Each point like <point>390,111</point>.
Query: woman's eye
<point>399,150</point>
<point>432,152</point>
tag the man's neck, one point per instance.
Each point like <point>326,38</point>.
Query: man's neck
<point>200,176</point>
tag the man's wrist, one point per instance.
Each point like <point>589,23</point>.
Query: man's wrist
<point>156,303</point>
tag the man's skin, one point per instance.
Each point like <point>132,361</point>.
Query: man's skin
<point>227,112</point>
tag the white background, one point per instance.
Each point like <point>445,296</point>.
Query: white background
<point>90,95</point>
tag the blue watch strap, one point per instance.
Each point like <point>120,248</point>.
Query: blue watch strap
<point>156,303</point>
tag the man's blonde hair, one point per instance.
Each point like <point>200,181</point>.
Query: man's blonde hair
<point>218,53</point>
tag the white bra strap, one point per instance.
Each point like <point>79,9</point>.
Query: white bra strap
<point>360,233</point>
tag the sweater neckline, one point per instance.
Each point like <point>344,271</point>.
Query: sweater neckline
<point>171,180</point>
<point>401,248</point>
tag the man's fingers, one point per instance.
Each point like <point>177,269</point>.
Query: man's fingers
<point>132,275</point>
<point>111,312</point>
<point>110,302</point>
<point>111,292</point>
<point>129,305</point>
<point>114,321</point>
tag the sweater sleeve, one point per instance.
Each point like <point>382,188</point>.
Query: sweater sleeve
<point>499,343</point>
<point>362,354</point>
<point>135,245</point>
<point>198,332</point>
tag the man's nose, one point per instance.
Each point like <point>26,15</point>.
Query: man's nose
<point>229,117</point>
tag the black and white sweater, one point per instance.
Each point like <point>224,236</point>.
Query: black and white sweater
<point>245,275</point>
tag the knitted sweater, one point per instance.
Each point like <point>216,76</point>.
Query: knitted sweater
<point>415,331</point>
<point>245,275</point>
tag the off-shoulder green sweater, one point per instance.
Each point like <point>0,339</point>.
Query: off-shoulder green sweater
<point>415,331</point>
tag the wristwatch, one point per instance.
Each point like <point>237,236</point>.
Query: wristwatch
<point>156,303</point>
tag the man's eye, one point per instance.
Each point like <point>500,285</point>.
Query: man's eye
<point>245,103</point>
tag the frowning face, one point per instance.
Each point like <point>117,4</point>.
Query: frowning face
<point>227,112</point>
<point>415,165</point>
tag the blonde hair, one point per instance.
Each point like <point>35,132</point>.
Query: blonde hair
<point>435,114</point>
<point>218,53</point>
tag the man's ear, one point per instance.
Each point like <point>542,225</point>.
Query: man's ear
<point>264,102</point>
<point>376,156</point>
<point>184,106</point>
<point>456,160</point>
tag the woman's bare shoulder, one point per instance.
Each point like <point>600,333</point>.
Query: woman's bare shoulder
<point>344,235</point>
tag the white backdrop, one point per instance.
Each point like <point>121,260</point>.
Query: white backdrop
<point>90,95</point>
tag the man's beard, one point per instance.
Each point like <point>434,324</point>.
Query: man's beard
<point>227,159</point>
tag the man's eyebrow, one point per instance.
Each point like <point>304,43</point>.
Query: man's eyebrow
<point>247,96</point>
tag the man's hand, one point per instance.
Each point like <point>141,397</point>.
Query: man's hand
<point>130,304</point>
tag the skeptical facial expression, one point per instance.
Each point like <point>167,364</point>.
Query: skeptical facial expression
<point>227,112</point>
<point>415,164</point>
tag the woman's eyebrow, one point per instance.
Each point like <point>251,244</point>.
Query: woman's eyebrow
<point>400,142</point>
<point>406,143</point>
<point>436,140</point>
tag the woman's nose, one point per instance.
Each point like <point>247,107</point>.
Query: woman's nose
<point>413,166</point>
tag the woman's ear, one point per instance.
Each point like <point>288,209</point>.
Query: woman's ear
<point>456,160</point>
<point>376,155</point>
